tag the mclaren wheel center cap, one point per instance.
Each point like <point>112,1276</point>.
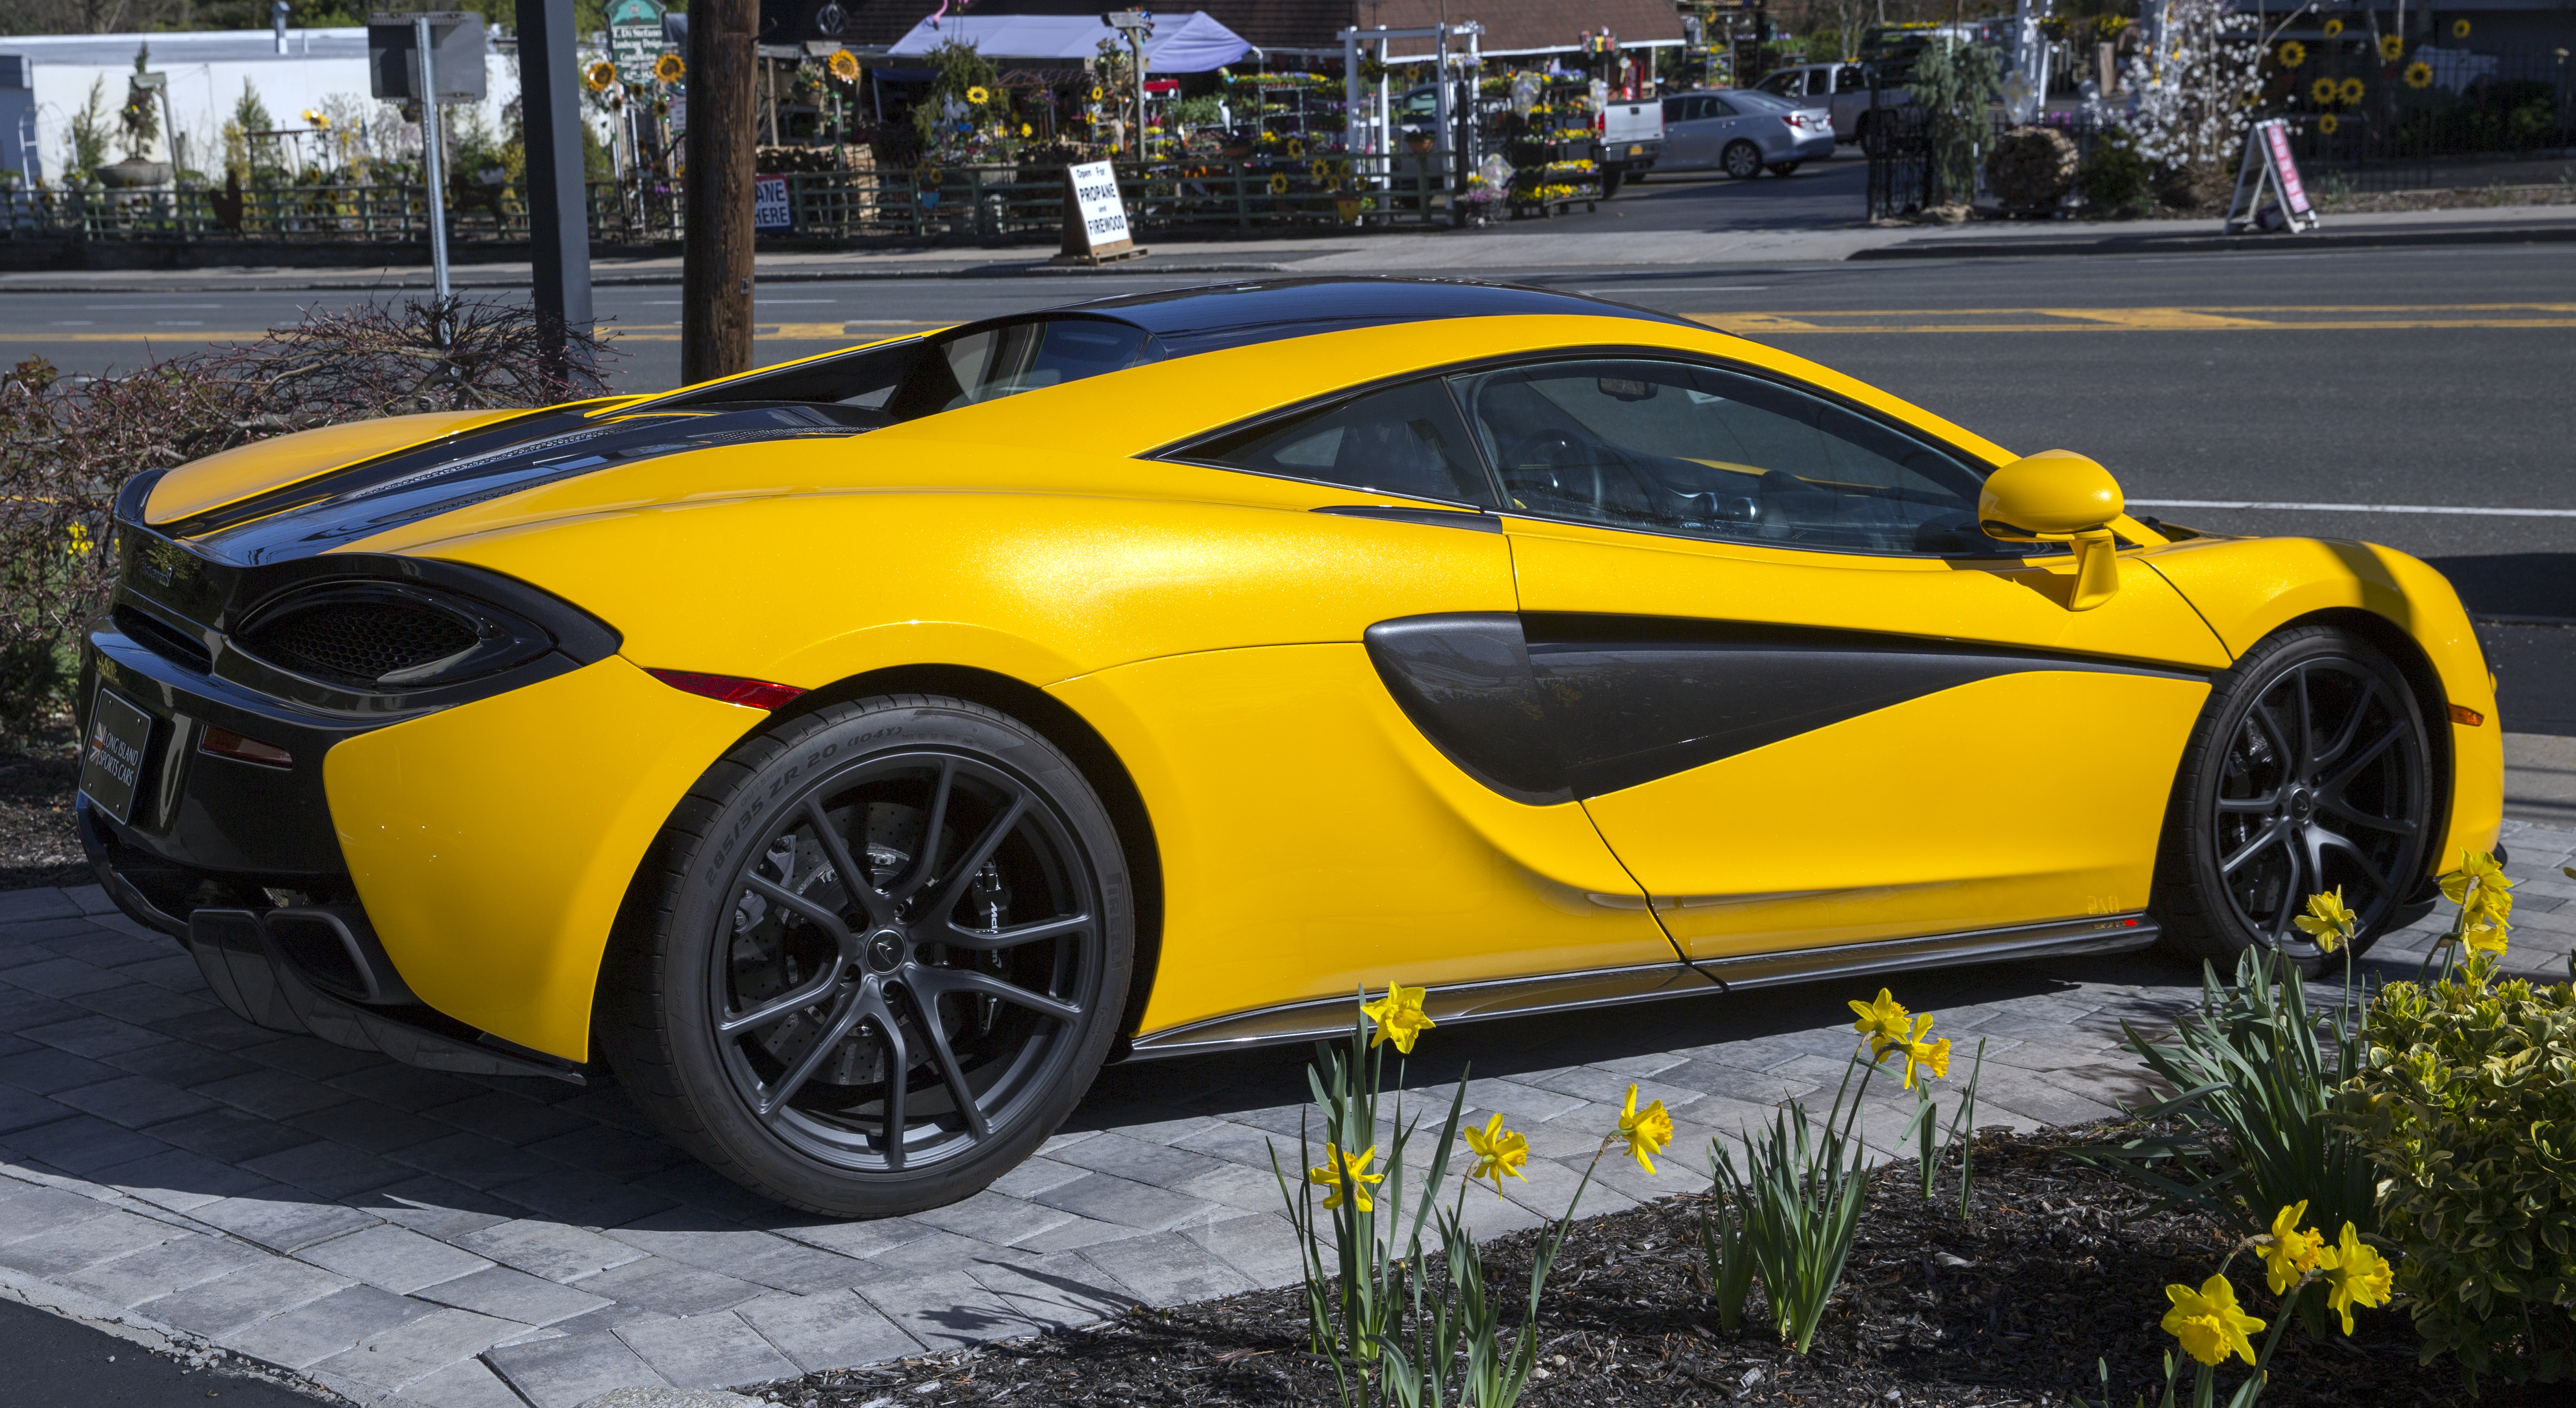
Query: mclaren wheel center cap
<point>2302,804</point>
<point>884,951</point>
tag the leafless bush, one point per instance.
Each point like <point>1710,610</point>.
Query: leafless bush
<point>67,444</point>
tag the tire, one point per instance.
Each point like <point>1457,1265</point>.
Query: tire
<point>1741,160</point>
<point>1784,168</point>
<point>2310,768</point>
<point>976,828</point>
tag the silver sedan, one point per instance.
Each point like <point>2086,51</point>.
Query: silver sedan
<point>1742,133</point>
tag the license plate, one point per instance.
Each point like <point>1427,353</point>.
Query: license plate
<point>1637,149</point>
<point>118,734</point>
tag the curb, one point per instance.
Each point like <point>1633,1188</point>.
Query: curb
<point>2535,233</point>
<point>420,282</point>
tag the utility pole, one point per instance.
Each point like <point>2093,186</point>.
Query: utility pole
<point>558,191</point>
<point>715,261</point>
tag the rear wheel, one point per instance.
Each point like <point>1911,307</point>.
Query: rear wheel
<point>2310,768</point>
<point>1741,160</point>
<point>887,954</point>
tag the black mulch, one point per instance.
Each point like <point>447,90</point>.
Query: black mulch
<point>37,843</point>
<point>2061,1270</point>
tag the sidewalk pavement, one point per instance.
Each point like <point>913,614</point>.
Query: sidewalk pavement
<point>406,1237</point>
<point>1495,252</point>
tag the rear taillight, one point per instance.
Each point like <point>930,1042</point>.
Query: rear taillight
<point>224,743</point>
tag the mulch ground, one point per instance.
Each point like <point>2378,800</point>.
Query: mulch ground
<point>37,843</point>
<point>2057,1276</point>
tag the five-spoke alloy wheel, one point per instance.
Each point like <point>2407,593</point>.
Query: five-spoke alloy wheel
<point>892,955</point>
<point>2310,770</point>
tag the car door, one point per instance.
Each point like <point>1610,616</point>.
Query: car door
<point>1804,698</point>
<point>1685,132</point>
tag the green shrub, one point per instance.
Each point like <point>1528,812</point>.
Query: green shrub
<point>2467,1104</point>
<point>2113,179</point>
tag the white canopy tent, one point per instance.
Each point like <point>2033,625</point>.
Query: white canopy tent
<point>1181,43</point>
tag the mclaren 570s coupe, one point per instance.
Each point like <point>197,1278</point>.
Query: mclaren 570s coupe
<point>856,754</point>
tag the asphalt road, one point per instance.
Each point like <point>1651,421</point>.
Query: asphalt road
<point>2362,386</point>
<point>54,1362</point>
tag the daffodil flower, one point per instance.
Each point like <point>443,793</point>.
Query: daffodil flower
<point>1883,1022</point>
<point>2208,1322</point>
<point>1645,1131</point>
<point>1345,1175</point>
<point>2291,1253</point>
<point>2356,1274</point>
<point>2327,921</point>
<point>1499,1151</point>
<point>1398,1017</point>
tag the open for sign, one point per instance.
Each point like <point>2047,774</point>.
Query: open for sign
<point>1095,216</point>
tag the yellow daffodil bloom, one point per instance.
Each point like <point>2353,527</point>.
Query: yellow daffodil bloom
<point>2291,1253</point>
<point>1345,1175</point>
<point>1645,1131</point>
<point>2208,1322</point>
<point>1927,1056</point>
<point>2327,921</point>
<point>2478,870</point>
<point>1398,1017</point>
<point>1499,1151</point>
<point>2356,1274</point>
<point>1883,1022</point>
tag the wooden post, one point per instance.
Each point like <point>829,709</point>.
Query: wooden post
<point>715,260</point>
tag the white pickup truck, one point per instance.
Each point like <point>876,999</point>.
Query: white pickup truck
<point>1632,137</point>
<point>1841,88</point>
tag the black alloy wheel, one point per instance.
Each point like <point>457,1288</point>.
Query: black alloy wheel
<point>1742,160</point>
<point>2310,769</point>
<point>893,955</point>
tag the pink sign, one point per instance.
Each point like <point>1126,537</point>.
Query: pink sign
<point>2276,143</point>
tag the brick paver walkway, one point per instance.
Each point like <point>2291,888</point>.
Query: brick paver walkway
<point>403,1236</point>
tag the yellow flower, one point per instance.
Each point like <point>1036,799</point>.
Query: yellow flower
<point>1279,184</point>
<point>600,76</point>
<point>1025,129</point>
<point>2351,91</point>
<point>1499,1151</point>
<point>2356,1274</point>
<point>2323,90</point>
<point>2333,28</point>
<point>2293,54</point>
<point>2208,1322</point>
<point>81,545</point>
<point>1296,148</point>
<point>1398,1017</point>
<point>2459,29</point>
<point>2478,871</point>
<point>2391,48</point>
<point>1345,1175</point>
<point>1883,1022</point>
<point>2291,1253</point>
<point>976,96</point>
<point>1927,1056</point>
<point>670,68</point>
<point>2328,123</point>
<point>2327,921</point>
<point>1319,171</point>
<point>2419,74</point>
<point>844,66</point>
<point>1645,1131</point>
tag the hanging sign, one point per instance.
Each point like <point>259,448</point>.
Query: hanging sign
<point>456,54</point>
<point>2269,169</point>
<point>635,38</point>
<point>1095,215</point>
<point>769,207</point>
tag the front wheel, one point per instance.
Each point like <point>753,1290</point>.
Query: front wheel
<point>886,950</point>
<point>2310,769</point>
<point>1742,160</point>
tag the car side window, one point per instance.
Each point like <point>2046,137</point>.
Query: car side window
<point>1717,107</point>
<point>1676,109</point>
<point>1672,447</point>
<point>1406,440</point>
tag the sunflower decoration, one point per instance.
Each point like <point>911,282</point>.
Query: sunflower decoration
<point>1296,149</point>
<point>2419,74</point>
<point>670,68</point>
<point>2391,48</point>
<point>1098,93</point>
<point>977,96</point>
<point>2323,91</point>
<point>2351,91</point>
<point>844,66</point>
<point>1279,183</point>
<point>929,176</point>
<point>600,75</point>
<point>2459,29</point>
<point>1321,171</point>
<point>2293,54</point>
<point>2333,28</point>
<point>2328,123</point>
<point>314,117</point>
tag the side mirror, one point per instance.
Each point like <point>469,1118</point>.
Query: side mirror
<point>2059,496</point>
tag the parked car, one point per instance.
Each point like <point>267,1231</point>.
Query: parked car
<point>1741,133</point>
<point>1632,141</point>
<point>1841,89</point>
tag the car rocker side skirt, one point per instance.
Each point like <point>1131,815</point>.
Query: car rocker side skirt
<point>1320,1018</point>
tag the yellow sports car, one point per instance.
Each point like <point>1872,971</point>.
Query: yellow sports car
<point>856,754</point>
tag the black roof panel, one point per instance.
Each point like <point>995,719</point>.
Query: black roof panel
<point>1216,316</point>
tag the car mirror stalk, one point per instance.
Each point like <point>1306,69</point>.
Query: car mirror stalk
<point>2059,496</point>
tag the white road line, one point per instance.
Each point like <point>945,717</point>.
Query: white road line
<point>2360,508</point>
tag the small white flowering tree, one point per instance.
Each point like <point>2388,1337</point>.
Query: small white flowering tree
<point>2196,98</point>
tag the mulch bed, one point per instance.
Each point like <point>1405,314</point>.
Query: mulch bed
<point>2060,1271</point>
<point>37,843</point>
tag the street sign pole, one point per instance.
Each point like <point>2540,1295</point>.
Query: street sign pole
<point>558,196</point>
<point>430,168</point>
